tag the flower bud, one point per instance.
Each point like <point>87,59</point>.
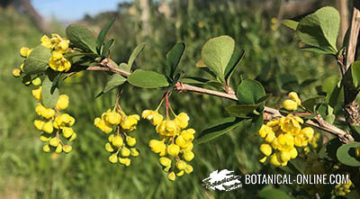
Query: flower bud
<point>117,141</point>
<point>125,161</point>
<point>16,72</point>
<point>188,155</point>
<point>173,149</point>
<point>134,152</point>
<point>290,105</point>
<point>130,141</point>
<point>62,103</point>
<point>113,158</point>
<point>164,161</point>
<point>125,152</point>
<point>172,176</point>
<point>108,147</point>
<point>54,142</point>
<point>46,148</point>
<point>266,149</point>
<point>67,148</point>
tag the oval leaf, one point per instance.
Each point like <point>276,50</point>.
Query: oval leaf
<point>320,29</point>
<point>355,72</point>
<point>250,92</point>
<point>173,58</point>
<point>49,94</point>
<point>346,154</point>
<point>218,128</point>
<point>81,38</point>
<point>147,79</point>
<point>134,54</point>
<point>114,81</point>
<point>37,61</point>
<point>216,54</point>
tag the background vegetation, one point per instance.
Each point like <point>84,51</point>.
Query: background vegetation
<point>272,57</point>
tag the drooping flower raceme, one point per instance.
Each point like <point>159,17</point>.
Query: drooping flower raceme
<point>282,135</point>
<point>56,126</point>
<point>120,144</point>
<point>175,144</point>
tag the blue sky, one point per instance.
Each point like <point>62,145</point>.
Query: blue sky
<point>69,10</point>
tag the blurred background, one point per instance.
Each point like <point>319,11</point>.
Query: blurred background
<point>272,56</point>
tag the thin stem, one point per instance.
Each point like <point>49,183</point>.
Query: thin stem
<point>167,104</point>
<point>269,113</point>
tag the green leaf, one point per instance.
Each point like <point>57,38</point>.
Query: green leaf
<point>309,104</point>
<point>101,37</point>
<point>216,54</point>
<point>173,58</point>
<point>234,61</point>
<point>114,81</point>
<point>81,38</point>
<point>147,79</point>
<point>320,29</point>
<point>134,54</point>
<point>250,92</point>
<point>241,110</point>
<point>219,128</point>
<point>124,66</point>
<point>106,48</point>
<point>290,23</point>
<point>272,193</point>
<point>346,154</point>
<point>194,80</point>
<point>317,50</point>
<point>355,73</point>
<point>49,93</point>
<point>37,61</point>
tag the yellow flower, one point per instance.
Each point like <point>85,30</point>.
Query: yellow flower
<point>67,132</point>
<point>54,142</point>
<point>285,142</point>
<point>59,149</point>
<point>274,160</point>
<point>181,165</point>
<point>168,128</point>
<point>266,149</point>
<point>108,147</point>
<point>62,103</point>
<point>291,124</point>
<point>134,152</point>
<point>294,97</point>
<point>164,161</point>
<point>25,51</point>
<point>44,112</point>
<point>125,161</point>
<point>102,125</point>
<point>58,62</point>
<point>153,116</point>
<point>125,152</point>
<point>182,120</point>
<point>188,169</point>
<point>130,141</point>
<point>173,150</point>
<point>113,158</point>
<point>67,148</point>
<point>37,93</point>
<point>158,146</point>
<point>172,176</point>
<point>112,117</point>
<point>39,124</point>
<point>46,42</point>
<point>117,141</point>
<point>48,127</point>
<point>262,160</point>
<point>305,136</point>
<point>46,148</point>
<point>130,122</point>
<point>64,120</point>
<point>36,81</point>
<point>290,105</point>
<point>264,131</point>
<point>188,155</point>
<point>16,72</point>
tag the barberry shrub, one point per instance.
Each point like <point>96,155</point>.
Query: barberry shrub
<point>289,136</point>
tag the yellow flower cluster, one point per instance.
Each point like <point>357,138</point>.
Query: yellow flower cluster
<point>175,141</point>
<point>120,145</point>
<point>292,103</point>
<point>16,72</point>
<point>55,125</point>
<point>343,189</point>
<point>282,135</point>
<point>58,47</point>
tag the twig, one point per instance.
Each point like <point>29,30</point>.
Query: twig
<point>269,113</point>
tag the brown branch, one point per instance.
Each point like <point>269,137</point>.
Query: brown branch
<point>269,113</point>
<point>351,107</point>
